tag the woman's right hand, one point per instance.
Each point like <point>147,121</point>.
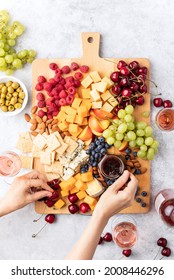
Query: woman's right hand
<point>113,200</point>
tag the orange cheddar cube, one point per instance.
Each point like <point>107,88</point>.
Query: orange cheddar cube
<point>77,176</point>
<point>92,206</point>
<point>87,177</point>
<point>70,111</point>
<point>78,120</point>
<point>64,193</point>
<point>61,116</point>
<point>74,190</point>
<point>80,185</point>
<point>82,111</point>
<point>59,204</point>
<point>81,194</point>
<point>70,118</point>
<point>76,103</point>
<point>73,128</point>
<point>90,200</point>
<point>63,126</point>
<point>87,104</point>
<point>77,133</point>
<point>86,93</point>
<point>64,108</point>
<point>85,121</point>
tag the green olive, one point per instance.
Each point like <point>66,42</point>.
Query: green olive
<point>9,83</point>
<point>15,85</point>
<point>11,108</point>
<point>19,89</point>
<point>18,105</point>
<point>13,101</point>
<point>1,85</point>
<point>20,100</point>
<point>8,96</point>
<point>21,95</point>
<point>4,108</point>
<point>7,102</point>
<point>3,95</point>
<point>15,94</point>
<point>4,89</point>
<point>10,89</point>
<point>2,101</point>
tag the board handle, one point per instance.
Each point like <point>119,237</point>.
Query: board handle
<point>90,44</point>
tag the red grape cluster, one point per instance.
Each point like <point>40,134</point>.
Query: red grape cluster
<point>129,84</point>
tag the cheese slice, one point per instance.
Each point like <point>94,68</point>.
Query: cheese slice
<point>94,188</point>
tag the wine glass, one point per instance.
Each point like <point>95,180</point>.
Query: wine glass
<point>124,231</point>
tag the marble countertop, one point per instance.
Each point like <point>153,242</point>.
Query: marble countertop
<point>129,29</point>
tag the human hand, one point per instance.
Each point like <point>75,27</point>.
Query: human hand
<point>24,190</point>
<point>113,200</point>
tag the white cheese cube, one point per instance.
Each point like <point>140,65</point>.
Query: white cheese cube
<point>95,76</point>
<point>95,95</point>
<point>87,82</point>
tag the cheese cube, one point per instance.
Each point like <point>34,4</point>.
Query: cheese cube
<point>87,177</point>
<point>81,195</point>
<point>70,111</point>
<point>64,108</point>
<point>61,116</point>
<point>94,188</point>
<point>76,103</point>
<point>94,86</point>
<point>95,76</point>
<point>90,200</point>
<point>64,193</point>
<point>107,107</point>
<point>77,176</point>
<point>80,185</point>
<point>108,82</point>
<point>63,126</point>
<point>75,134</point>
<point>63,184</point>
<point>73,128</point>
<point>59,204</point>
<point>112,101</point>
<point>85,121</point>
<point>86,93</point>
<point>101,86</point>
<point>106,95</point>
<point>78,120</point>
<point>87,82</point>
<point>70,118</point>
<point>68,184</point>
<point>87,103</point>
<point>97,105</point>
<point>95,95</point>
<point>82,111</point>
<point>74,190</point>
<point>93,206</point>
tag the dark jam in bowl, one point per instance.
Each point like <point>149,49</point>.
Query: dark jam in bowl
<point>111,166</point>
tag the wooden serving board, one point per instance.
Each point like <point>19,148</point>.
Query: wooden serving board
<point>90,57</point>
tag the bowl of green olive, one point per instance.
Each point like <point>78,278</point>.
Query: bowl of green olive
<point>13,96</point>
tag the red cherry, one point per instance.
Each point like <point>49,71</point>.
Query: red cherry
<point>143,88</point>
<point>100,240</point>
<point>107,237</point>
<point>140,100</point>
<point>115,76</point>
<point>121,64</point>
<point>143,70</point>
<point>134,86</point>
<point>84,207</point>
<point>142,78</point>
<point>116,109</point>
<point>124,71</point>
<point>126,92</point>
<point>72,197</point>
<point>116,89</point>
<point>73,208</point>
<point>158,102</point>
<point>167,104</point>
<point>166,252</point>
<point>133,65</point>
<point>124,82</point>
<point>50,218</point>
<point>162,242</point>
<point>127,252</point>
<point>49,202</point>
<point>54,196</point>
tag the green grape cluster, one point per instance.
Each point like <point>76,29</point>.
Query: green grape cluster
<point>11,60</point>
<point>137,134</point>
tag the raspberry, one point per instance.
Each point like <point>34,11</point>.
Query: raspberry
<point>74,66</point>
<point>47,86</point>
<point>57,78</point>
<point>62,81</point>
<point>65,69</point>
<point>77,83</point>
<point>53,66</point>
<point>55,113</point>
<point>50,94</point>
<point>84,68</point>
<point>54,91</point>
<point>52,108</point>
<point>69,79</point>
<point>52,81</point>
<point>59,87</point>
<point>62,102</point>
<point>49,101</point>
<point>69,99</point>
<point>71,90</point>
<point>41,104</point>
<point>49,116</point>
<point>63,94</point>
<point>78,76</point>
<point>57,103</point>
<point>41,79</point>
<point>39,87</point>
<point>58,71</point>
<point>40,96</point>
<point>41,113</point>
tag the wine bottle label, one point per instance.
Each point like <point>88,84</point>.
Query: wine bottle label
<point>159,200</point>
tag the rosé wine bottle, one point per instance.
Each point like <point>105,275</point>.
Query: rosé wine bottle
<point>10,164</point>
<point>164,205</point>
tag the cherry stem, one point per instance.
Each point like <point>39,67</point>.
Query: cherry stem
<point>161,258</point>
<point>157,254</point>
<point>34,235</point>
<point>121,258</point>
<point>34,221</point>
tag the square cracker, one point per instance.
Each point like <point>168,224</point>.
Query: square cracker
<point>52,142</point>
<point>26,135</point>
<point>40,142</point>
<point>52,176</point>
<point>24,145</point>
<point>55,167</point>
<point>45,157</point>
<point>27,162</point>
<point>62,149</point>
<point>35,152</point>
<point>72,144</point>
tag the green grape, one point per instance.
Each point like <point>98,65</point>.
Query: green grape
<point>143,148</point>
<point>145,114</point>
<point>141,125</point>
<point>121,114</point>
<point>2,45</point>
<point>9,72</point>
<point>6,47</point>
<point>18,31</point>
<point>140,141</point>
<point>130,126</point>
<point>117,144</point>
<point>126,138</point>
<point>107,133</point>
<point>131,135</point>
<point>148,131</point>
<point>31,53</point>
<point>140,132</point>
<point>141,154</point>
<point>110,140</point>
<point>4,16</point>
<point>2,62</point>
<point>11,43</point>
<point>116,122</point>
<point>150,153</point>
<point>128,118</point>
<point>11,35</point>
<point>9,58</point>
<point>17,63</point>
<point>148,141</point>
<point>129,109</point>
<point>155,144</point>
<point>119,136</point>
<point>132,144</point>
<point>122,127</point>
<point>2,52</point>
<point>22,54</point>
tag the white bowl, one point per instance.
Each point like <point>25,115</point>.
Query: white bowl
<point>5,79</point>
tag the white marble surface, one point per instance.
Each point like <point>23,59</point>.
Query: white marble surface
<point>129,28</point>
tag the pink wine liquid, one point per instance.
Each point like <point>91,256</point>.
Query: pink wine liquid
<point>164,204</point>
<point>10,164</point>
<point>165,119</point>
<point>125,235</point>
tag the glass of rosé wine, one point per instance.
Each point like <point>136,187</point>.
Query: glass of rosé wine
<point>165,119</point>
<point>10,164</point>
